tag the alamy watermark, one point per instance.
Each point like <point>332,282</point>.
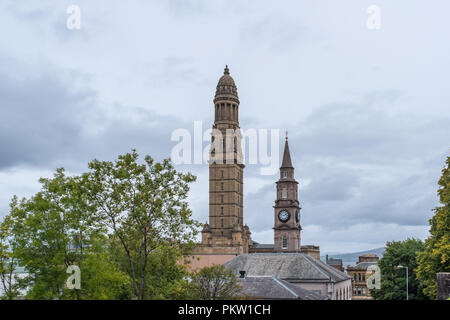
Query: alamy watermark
<point>74,280</point>
<point>74,20</point>
<point>251,146</point>
<point>374,19</point>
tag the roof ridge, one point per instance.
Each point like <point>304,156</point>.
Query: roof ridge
<point>311,263</point>
<point>286,287</point>
<point>341,275</point>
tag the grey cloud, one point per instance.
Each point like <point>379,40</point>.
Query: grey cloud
<point>359,164</point>
<point>186,7</point>
<point>276,34</point>
<point>46,119</point>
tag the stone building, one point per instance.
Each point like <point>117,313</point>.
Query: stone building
<point>298,269</point>
<point>359,274</point>
<point>335,263</point>
<point>443,285</point>
<point>225,235</point>
<point>225,238</point>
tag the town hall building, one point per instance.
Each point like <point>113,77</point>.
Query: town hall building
<point>225,238</point>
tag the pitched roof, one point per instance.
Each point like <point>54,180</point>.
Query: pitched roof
<point>285,266</point>
<point>361,266</point>
<point>334,262</point>
<point>273,288</point>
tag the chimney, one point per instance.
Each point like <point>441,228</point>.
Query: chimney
<point>242,274</point>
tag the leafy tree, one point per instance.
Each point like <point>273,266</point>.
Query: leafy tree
<point>436,256</point>
<point>393,280</point>
<point>57,228</point>
<point>214,283</point>
<point>124,224</point>
<point>145,207</point>
<point>8,262</point>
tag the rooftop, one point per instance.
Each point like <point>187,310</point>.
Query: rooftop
<point>263,287</point>
<point>285,266</point>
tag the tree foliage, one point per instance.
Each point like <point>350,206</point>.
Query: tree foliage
<point>393,279</point>
<point>436,256</point>
<point>124,224</point>
<point>214,283</point>
<point>8,262</point>
<point>145,207</point>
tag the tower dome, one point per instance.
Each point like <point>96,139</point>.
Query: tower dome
<point>226,88</point>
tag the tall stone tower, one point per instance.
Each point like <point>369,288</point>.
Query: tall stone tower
<point>225,232</point>
<point>287,208</point>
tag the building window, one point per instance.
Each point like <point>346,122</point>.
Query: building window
<point>284,174</point>
<point>221,186</point>
<point>221,210</point>
<point>221,223</point>
<point>354,291</point>
<point>359,291</point>
<point>284,193</point>
<point>363,291</point>
<point>363,277</point>
<point>221,198</point>
<point>284,244</point>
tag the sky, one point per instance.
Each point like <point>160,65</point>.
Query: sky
<point>367,110</point>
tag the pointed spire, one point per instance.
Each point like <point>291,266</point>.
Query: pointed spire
<point>287,163</point>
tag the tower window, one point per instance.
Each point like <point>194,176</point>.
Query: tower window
<point>221,198</point>
<point>221,186</point>
<point>221,223</point>
<point>285,175</point>
<point>284,243</point>
<point>221,210</point>
<point>284,193</point>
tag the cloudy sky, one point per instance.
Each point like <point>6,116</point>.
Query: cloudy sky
<point>367,110</point>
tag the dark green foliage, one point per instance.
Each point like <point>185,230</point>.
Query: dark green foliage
<point>393,280</point>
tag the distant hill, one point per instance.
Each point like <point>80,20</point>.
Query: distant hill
<point>352,258</point>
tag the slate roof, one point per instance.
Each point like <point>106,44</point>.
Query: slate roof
<point>361,266</point>
<point>334,262</point>
<point>285,266</point>
<point>273,288</point>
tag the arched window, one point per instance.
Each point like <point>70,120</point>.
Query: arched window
<point>284,244</point>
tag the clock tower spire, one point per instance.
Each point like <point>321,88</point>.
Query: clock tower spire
<point>287,207</point>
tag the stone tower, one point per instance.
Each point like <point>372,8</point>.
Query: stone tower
<point>287,208</point>
<point>225,232</point>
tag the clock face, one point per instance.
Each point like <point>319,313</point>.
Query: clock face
<point>283,215</point>
<point>297,216</point>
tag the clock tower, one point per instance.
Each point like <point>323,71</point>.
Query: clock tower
<point>287,208</point>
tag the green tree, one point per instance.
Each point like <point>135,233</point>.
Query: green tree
<point>214,283</point>
<point>126,225</point>
<point>436,256</point>
<point>55,229</point>
<point>8,262</point>
<point>145,207</point>
<point>393,280</point>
